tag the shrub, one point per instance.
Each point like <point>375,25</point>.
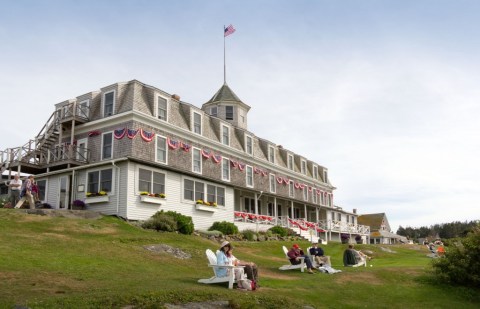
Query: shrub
<point>250,235</point>
<point>161,222</point>
<point>461,265</point>
<point>277,229</point>
<point>184,223</point>
<point>211,233</point>
<point>227,228</point>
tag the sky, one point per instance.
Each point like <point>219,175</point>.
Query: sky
<point>383,93</point>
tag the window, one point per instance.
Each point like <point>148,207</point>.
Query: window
<point>83,109</point>
<point>248,144</point>
<point>197,123</point>
<point>315,172</point>
<point>290,162</point>
<point>339,216</point>
<point>249,204</point>
<point>100,181</point>
<point>273,184</point>
<point>150,181</point>
<point>348,218</point>
<point>314,196</point>
<point>226,169</point>
<point>270,209</point>
<point>291,193</point>
<point>82,152</point>
<point>196,161</point>
<point>249,176</point>
<point>271,154</point>
<point>322,198</point>
<point>107,145</point>
<point>333,216</point>
<point>279,210</point>
<point>108,103</point>
<point>303,167</point>
<point>229,112</point>
<point>195,190</point>
<point>225,135</point>
<point>353,219</point>
<point>162,108</point>
<point>305,193</point>
<point>214,111</point>
<point>161,155</point>
<point>325,176</point>
<point>329,200</point>
<point>42,189</point>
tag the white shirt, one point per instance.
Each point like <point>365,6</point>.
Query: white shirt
<point>16,182</point>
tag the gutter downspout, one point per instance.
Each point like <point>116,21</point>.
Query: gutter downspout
<point>118,185</point>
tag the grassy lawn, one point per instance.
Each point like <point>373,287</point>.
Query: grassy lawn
<point>51,262</point>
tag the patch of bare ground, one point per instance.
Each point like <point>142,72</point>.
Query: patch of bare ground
<point>363,277</point>
<point>45,283</point>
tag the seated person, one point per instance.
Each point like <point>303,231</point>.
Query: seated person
<point>352,257</point>
<point>441,251</point>
<point>295,253</point>
<point>222,259</point>
<point>250,268</point>
<point>319,256</point>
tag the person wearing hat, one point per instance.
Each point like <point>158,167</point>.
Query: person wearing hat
<point>294,255</point>
<point>222,259</point>
<point>319,256</point>
<point>27,189</point>
<point>250,268</point>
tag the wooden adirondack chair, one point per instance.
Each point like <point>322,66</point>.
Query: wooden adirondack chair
<point>212,262</point>
<point>300,266</point>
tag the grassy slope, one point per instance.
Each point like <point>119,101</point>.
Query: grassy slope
<point>58,262</point>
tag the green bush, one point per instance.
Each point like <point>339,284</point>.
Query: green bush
<point>250,235</point>
<point>277,229</point>
<point>184,223</point>
<point>227,228</point>
<point>161,222</point>
<point>461,263</point>
<point>211,233</point>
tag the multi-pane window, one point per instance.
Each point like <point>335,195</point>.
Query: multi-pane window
<point>271,154</point>
<point>195,190</point>
<point>333,216</point>
<point>229,112</point>
<point>305,193</point>
<point>214,111</point>
<point>322,198</point>
<point>83,109</point>
<point>315,172</point>
<point>353,219</point>
<point>249,176</point>
<point>325,176</point>
<point>162,108</point>
<point>273,185</point>
<point>291,193</point>
<point>314,197</point>
<point>339,216</point>
<point>150,181</point>
<point>270,209</point>
<point>196,161</point>
<point>225,169</point>
<point>303,167</point>
<point>249,145</point>
<point>249,204</point>
<point>290,162</point>
<point>99,181</point>
<point>108,103</point>
<point>107,146</point>
<point>161,155</point>
<point>225,135</point>
<point>197,123</point>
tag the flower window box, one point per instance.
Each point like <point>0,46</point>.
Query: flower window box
<point>97,199</point>
<point>205,207</point>
<point>152,199</point>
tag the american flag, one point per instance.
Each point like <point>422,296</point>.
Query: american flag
<point>229,30</point>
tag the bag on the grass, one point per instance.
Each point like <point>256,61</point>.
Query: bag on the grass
<point>247,284</point>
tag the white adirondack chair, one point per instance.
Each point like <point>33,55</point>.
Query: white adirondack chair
<point>230,277</point>
<point>300,266</point>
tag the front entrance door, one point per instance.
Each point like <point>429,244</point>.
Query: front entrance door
<point>64,193</point>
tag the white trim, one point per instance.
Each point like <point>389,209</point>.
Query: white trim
<point>87,114</point>
<point>227,161</point>
<point>112,192</point>
<point>216,111</point>
<point>271,154</point>
<point>315,171</point>
<point>193,122</point>
<point>274,190</point>
<point>223,127</point>
<point>205,191</point>
<point>292,167</point>
<point>113,105</point>
<point>156,149</point>
<point>200,157</point>
<point>247,136</point>
<point>247,168</point>
<point>305,193</point>
<point>82,141</point>
<point>291,189</point>
<point>325,176</point>
<point>101,147</point>
<point>303,167</point>
<point>150,169</point>
<point>167,104</point>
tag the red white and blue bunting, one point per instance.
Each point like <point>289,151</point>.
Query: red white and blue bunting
<point>206,153</point>
<point>131,133</point>
<point>185,147</point>
<point>216,158</point>
<point>119,133</point>
<point>94,133</point>
<point>147,136</point>
<point>172,144</point>
<point>241,166</point>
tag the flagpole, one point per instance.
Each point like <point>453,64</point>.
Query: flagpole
<point>224,65</point>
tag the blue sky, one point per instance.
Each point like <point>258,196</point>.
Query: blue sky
<point>383,93</point>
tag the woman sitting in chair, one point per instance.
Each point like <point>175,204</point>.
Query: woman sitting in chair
<point>223,259</point>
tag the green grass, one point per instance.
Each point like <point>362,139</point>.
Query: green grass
<point>51,262</point>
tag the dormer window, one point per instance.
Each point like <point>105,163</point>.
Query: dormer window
<point>303,167</point>
<point>197,123</point>
<point>315,172</point>
<point>325,176</point>
<point>229,112</point>
<point>271,154</point>
<point>214,111</point>
<point>248,144</point>
<point>290,162</point>
<point>162,108</point>
<point>225,135</point>
<point>108,103</point>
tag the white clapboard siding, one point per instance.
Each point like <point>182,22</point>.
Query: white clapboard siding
<point>51,197</point>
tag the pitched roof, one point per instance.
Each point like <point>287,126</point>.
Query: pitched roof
<point>225,94</point>
<point>372,220</point>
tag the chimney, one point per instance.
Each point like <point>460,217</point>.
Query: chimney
<point>176,97</point>
<point>355,211</point>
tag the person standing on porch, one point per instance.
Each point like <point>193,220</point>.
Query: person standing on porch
<point>27,188</point>
<point>15,188</point>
